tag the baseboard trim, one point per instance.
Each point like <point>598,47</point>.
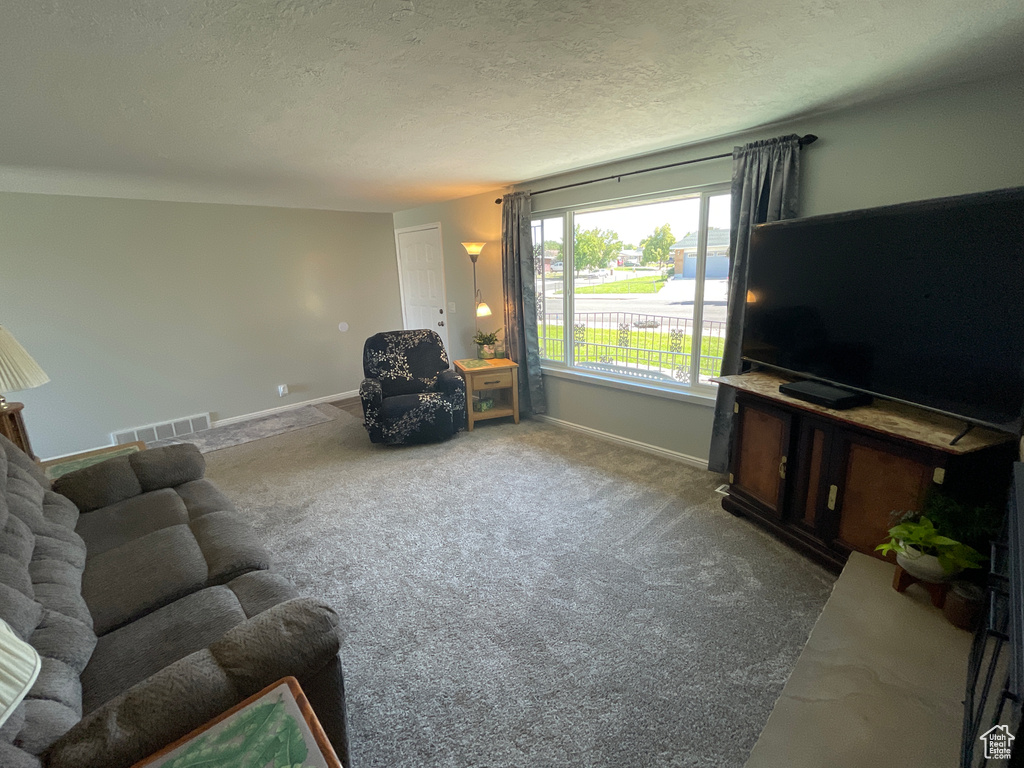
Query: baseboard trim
<point>353,394</point>
<point>283,408</point>
<point>628,442</point>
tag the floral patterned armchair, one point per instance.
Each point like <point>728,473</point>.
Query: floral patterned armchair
<point>409,394</point>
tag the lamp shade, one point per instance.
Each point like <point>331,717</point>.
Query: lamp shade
<point>17,368</point>
<point>19,668</point>
<point>473,249</point>
<point>482,310</point>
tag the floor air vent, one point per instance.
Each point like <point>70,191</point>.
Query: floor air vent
<point>152,432</point>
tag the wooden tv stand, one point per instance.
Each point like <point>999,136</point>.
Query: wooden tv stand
<point>827,481</point>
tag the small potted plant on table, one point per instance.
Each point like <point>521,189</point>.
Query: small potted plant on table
<point>485,344</point>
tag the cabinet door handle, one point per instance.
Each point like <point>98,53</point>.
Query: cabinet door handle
<point>782,467</point>
<point>833,491</point>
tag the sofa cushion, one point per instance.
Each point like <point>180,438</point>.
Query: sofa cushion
<point>12,757</point>
<point>60,683</point>
<point>142,575</point>
<point>45,722</point>
<point>123,477</point>
<point>139,649</point>
<point>146,573</point>
<point>117,524</point>
<point>59,509</point>
<point>168,466</point>
<point>98,485</point>
<point>202,497</point>
<point>230,546</point>
<point>61,637</point>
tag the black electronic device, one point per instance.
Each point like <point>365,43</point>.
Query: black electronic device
<point>825,394</point>
<point>919,302</point>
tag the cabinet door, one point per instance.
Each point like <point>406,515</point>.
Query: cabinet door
<point>811,480</point>
<point>871,480</point>
<point>760,455</point>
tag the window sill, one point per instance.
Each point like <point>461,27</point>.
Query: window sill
<point>705,396</point>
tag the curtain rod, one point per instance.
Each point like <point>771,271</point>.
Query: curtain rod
<point>809,138</point>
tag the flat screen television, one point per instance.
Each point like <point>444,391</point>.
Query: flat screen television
<point>920,302</point>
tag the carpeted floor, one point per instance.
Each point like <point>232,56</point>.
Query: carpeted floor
<point>528,596</point>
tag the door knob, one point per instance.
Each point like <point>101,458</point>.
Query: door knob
<point>441,323</point>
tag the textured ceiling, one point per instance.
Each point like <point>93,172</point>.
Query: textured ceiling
<point>389,104</point>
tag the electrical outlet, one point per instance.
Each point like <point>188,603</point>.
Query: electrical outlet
<point>282,390</point>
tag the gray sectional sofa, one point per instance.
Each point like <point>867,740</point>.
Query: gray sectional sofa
<point>153,607</point>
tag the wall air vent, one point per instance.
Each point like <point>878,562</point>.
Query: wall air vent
<point>150,433</point>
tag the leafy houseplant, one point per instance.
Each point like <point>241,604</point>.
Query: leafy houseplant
<point>485,344</point>
<point>924,552</point>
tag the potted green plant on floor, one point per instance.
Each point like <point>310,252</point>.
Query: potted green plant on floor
<point>485,344</point>
<point>925,553</point>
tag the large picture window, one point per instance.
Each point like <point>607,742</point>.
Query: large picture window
<point>644,286</point>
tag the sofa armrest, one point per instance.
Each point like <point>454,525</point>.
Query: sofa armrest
<point>299,637</point>
<point>122,477</point>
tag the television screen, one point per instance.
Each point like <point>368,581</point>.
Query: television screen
<point>920,302</point>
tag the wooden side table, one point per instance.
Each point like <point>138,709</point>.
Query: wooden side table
<point>500,376</point>
<point>55,468</point>
<point>246,735</point>
<point>13,427</point>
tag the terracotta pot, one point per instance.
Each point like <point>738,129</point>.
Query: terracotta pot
<point>922,566</point>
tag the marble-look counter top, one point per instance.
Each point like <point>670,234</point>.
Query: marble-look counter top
<point>879,683</point>
<point>914,424</point>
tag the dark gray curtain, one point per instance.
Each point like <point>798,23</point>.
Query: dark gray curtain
<point>765,175</point>
<point>517,271</point>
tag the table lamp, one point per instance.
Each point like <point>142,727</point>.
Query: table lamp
<point>18,371</point>
<point>19,668</point>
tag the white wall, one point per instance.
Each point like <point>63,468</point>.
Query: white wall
<point>473,219</point>
<point>143,311</point>
<point>946,142</point>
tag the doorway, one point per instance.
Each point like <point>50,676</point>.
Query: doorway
<point>421,279</point>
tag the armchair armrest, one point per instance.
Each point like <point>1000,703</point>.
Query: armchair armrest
<point>451,383</point>
<point>371,393</point>
<point>122,477</point>
<point>298,637</point>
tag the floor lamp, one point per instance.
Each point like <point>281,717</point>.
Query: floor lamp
<point>473,249</point>
<point>18,371</point>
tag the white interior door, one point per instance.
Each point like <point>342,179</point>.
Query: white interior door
<point>421,277</point>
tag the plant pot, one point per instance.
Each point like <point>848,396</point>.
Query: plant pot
<point>922,566</point>
<point>485,351</point>
<point>964,604</point>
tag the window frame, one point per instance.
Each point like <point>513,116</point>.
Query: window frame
<point>566,367</point>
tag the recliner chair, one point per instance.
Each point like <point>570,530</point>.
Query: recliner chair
<point>409,394</point>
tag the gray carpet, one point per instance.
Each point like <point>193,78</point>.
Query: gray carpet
<point>216,438</point>
<point>527,596</point>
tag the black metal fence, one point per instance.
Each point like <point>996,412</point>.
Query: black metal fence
<point>642,345</point>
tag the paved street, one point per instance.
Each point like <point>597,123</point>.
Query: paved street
<point>674,300</point>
